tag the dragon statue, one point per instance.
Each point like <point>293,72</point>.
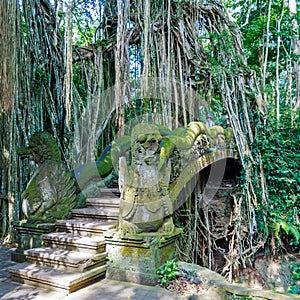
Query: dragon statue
<point>158,156</point>
<point>149,162</point>
<point>51,191</point>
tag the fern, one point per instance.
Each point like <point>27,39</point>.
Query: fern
<point>287,228</point>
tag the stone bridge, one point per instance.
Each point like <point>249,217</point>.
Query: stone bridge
<point>157,168</point>
<point>181,190</point>
<point>163,163</point>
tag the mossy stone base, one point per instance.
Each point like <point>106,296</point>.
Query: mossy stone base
<point>136,258</point>
<point>29,236</point>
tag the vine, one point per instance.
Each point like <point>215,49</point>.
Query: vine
<point>193,42</point>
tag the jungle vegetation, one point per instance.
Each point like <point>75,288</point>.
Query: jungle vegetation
<point>68,65</point>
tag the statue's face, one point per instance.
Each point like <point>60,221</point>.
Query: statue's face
<point>145,144</point>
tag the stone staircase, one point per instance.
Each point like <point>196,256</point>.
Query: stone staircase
<point>73,256</point>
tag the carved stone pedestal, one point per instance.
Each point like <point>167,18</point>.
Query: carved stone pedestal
<point>135,258</point>
<point>29,236</point>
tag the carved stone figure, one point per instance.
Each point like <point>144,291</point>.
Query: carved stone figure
<point>145,204</point>
<point>217,134</point>
<point>51,192</point>
<point>201,144</point>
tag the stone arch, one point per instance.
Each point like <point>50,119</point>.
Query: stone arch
<point>186,182</point>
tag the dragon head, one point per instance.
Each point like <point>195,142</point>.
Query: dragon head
<point>42,146</point>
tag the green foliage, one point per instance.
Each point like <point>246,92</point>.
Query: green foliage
<point>41,76</point>
<point>87,19</point>
<point>296,272</point>
<point>287,228</point>
<point>295,289</point>
<point>260,41</point>
<point>167,272</point>
<point>237,297</point>
<point>280,151</point>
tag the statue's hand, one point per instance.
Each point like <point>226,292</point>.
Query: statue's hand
<point>128,227</point>
<point>168,226</point>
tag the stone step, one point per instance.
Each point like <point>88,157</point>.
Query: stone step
<point>65,259</point>
<point>110,192</point>
<point>103,203</point>
<point>69,241</point>
<point>46,277</point>
<point>104,214</point>
<point>84,227</point>
<point>114,184</point>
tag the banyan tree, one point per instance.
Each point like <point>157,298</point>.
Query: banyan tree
<point>85,71</point>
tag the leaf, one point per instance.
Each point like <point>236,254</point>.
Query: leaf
<point>287,228</point>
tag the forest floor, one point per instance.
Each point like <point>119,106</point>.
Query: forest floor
<point>186,286</point>
<point>204,283</point>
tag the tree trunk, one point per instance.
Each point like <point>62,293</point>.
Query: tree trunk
<point>296,49</point>
<point>9,186</point>
<point>266,50</point>
<point>278,64</point>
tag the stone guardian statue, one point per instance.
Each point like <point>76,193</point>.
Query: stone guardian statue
<point>145,204</point>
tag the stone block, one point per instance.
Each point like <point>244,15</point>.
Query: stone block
<point>54,279</point>
<point>136,258</point>
<point>29,236</point>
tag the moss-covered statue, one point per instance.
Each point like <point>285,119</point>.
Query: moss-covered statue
<point>146,202</point>
<point>51,192</point>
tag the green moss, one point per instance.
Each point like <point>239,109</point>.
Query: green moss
<point>42,146</point>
